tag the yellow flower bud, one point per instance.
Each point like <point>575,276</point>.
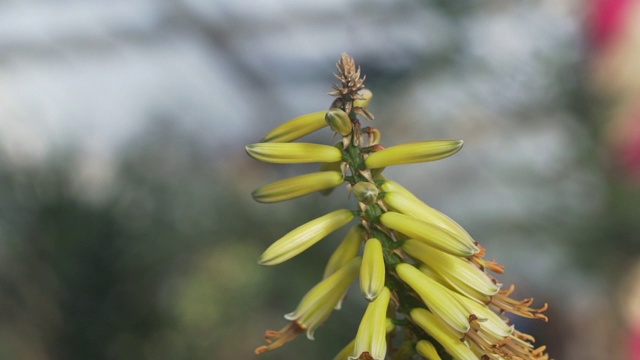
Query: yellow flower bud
<point>365,95</point>
<point>403,201</point>
<point>365,192</point>
<point>339,121</point>
<point>347,250</point>
<point>297,186</point>
<point>437,297</point>
<point>426,349</point>
<point>293,153</point>
<point>372,332</point>
<point>455,270</point>
<point>346,351</point>
<point>318,303</point>
<point>434,327</point>
<point>304,236</point>
<point>372,271</point>
<point>296,128</point>
<point>431,234</point>
<point>415,152</point>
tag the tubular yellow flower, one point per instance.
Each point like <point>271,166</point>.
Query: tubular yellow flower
<point>490,323</point>
<point>346,351</point>
<point>297,186</point>
<point>372,333</point>
<point>347,250</point>
<point>433,326</point>
<point>426,349</point>
<point>403,201</point>
<point>411,153</point>
<point>315,307</point>
<point>455,270</point>
<point>304,236</point>
<point>293,153</point>
<point>433,235</point>
<point>339,121</point>
<point>437,297</point>
<point>296,128</point>
<point>372,271</point>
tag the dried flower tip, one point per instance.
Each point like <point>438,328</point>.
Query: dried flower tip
<point>293,153</point>
<point>296,128</point>
<point>415,152</point>
<point>426,349</point>
<point>435,328</point>
<point>433,235</point>
<point>371,338</point>
<point>365,192</point>
<point>304,236</point>
<point>372,271</point>
<point>297,186</point>
<point>436,296</point>
<point>339,121</point>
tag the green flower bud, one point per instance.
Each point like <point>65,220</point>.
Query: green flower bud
<point>339,121</point>
<point>365,192</point>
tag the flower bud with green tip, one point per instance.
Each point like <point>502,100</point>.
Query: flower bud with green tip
<point>451,342</point>
<point>372,271</point>
<point>372,332</point>
<point>293,153</point>
<point>296,128</point>
<point>339,121</point>
<point>304,236</point>
<point>365,192</point>
<point>297,186</point>
<point>436,296</point>
<point>411,153</point>
<point>433,235</point>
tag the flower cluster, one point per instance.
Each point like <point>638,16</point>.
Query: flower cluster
<point>429,289</point>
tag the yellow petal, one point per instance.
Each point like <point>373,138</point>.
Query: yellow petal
<point>426,349</point>
<point>432,325</point>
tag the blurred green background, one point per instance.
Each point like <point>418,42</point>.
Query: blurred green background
<point>127,229</point>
